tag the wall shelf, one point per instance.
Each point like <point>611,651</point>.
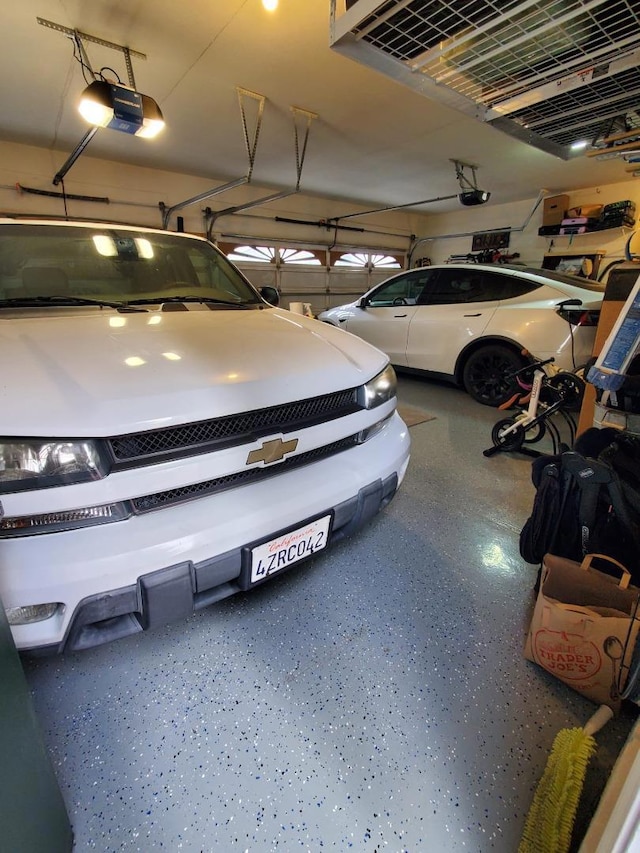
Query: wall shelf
<point>623,229</point>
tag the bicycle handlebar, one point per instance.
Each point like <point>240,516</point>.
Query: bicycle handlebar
<point>531,366</point>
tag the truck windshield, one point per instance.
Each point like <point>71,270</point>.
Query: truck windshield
<point>112,264</point>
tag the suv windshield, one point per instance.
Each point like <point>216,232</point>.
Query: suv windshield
<point>106,264</point>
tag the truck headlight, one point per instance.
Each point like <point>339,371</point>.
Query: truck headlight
<point>27,464</point>
<point>380,389</point>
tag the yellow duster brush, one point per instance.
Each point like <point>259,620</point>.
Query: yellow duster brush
<point>550,820</point>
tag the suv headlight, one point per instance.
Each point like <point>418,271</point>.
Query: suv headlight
<point>26,464</point>
<point>380,389</point>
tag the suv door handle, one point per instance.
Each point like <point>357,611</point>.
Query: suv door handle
<point>479,314</point>
<point>399,315</point>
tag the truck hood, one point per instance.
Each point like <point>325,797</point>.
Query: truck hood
<point>85,372</point>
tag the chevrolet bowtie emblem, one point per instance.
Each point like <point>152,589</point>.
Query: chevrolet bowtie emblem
<point>272,451</point>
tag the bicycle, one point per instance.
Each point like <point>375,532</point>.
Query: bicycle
<point>570,383</point>
<point>563,391</point>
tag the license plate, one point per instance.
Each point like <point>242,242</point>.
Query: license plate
<point>288,548</point>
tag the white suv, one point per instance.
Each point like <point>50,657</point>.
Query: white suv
<point>469,323</point>
<point>168,436</point>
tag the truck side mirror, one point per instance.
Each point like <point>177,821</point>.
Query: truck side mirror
<point>270,295</point>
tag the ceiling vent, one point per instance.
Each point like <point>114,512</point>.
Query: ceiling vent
<point>552,73</point>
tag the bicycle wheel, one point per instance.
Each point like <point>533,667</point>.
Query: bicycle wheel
<point>570,387</point>
<point>512,440</point>
<point>536,433</point>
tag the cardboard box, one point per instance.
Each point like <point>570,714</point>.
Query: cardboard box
<point>591,210</point>
<point>554,209</point>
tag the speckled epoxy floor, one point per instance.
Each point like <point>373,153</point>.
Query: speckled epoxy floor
<point>375,699</point>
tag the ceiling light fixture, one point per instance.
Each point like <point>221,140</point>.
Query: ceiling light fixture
<point>107,104</point>
<point>270,5</point>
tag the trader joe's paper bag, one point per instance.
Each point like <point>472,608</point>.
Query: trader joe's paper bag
<point>583,629</point>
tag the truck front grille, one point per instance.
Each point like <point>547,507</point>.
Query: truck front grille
<point>159,500</point>
<point>144,448</point>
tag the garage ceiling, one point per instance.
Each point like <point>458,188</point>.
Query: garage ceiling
<point>399,88</point>
<point>549,72</point>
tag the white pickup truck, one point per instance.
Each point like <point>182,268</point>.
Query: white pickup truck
<point>168,435</point>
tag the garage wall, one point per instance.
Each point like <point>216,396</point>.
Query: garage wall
<point>525,218</point>
<point>125,193</point>
<point>133,194</point>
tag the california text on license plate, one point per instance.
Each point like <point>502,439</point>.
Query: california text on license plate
<point>284,550</point>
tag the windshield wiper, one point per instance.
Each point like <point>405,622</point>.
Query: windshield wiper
<point>35,301</point>
<point>205,300</point>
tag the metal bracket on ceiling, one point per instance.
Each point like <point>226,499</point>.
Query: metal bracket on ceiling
<point>251,146</point>
<point>298,112</point>
<point>212,216</point>
<point>462,178</point>
<point>244,96</point>
<point>80,37</point>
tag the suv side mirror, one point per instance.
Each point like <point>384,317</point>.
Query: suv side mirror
<point>362,303</point>
<point>270,295</point>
